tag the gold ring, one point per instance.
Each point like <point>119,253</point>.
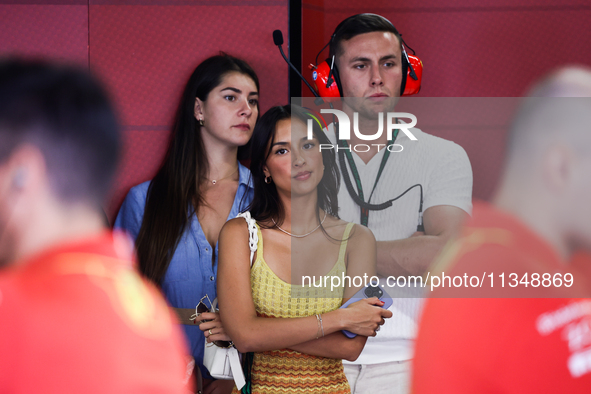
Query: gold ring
<point>210,334</point>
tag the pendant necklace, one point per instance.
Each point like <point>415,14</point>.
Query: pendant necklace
<point>214,181</point>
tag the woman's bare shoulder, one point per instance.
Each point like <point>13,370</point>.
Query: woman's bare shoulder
<point>235,227</point>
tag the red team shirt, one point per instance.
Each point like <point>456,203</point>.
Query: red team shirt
<point>504,345</point>
<point>79,319</point>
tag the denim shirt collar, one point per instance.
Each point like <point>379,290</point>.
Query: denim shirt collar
<point>244,177</point>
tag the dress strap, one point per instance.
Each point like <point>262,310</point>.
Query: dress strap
<point>345,240</point>
<point>253,236</point>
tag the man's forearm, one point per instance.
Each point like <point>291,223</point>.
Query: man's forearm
<point>409,256</point>
<point>414,255</point>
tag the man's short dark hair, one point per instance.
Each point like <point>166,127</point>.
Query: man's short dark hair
<point>66,114</point>
<point>359,24</point>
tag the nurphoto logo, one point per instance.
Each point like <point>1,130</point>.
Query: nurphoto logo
<point>345,130</point>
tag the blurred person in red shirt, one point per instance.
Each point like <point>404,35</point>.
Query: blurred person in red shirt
<point>528,329</point>
<point>75,317</point>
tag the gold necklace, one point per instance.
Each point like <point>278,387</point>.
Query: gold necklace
<point>214,181</point>
<point>297,235</point>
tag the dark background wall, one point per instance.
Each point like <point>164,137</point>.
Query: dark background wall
<point>145,50</point>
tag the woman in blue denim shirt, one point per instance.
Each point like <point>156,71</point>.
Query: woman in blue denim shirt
<point>176,218</point>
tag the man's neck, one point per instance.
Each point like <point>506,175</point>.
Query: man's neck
<point>527,207</point>
<point>58,225</point>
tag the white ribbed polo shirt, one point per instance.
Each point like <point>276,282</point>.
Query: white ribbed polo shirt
<point>443,169</point>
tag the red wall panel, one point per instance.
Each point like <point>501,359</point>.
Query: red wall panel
<point>146,53</point>
<point>57,31</point>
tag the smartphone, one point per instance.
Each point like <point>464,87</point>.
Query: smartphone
<point>368,292</point>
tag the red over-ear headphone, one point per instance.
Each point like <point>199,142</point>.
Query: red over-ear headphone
<point>326,74</point>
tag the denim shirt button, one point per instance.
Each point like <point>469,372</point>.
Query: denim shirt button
<point>211,278</point>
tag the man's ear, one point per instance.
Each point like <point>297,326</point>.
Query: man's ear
<point>198,111</point>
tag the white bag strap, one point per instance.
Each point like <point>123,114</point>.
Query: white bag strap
<point>253,236</point>
<point>253,241</point>
<point>236,367</point>
<point>232,353</point>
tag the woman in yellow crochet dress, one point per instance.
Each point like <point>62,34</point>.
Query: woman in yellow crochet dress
<point>293,327</point>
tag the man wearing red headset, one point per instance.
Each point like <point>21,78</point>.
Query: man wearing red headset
<point>369,68</point>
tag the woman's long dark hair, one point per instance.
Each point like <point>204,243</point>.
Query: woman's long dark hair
<point>266,204</point>
<point>174,194</point>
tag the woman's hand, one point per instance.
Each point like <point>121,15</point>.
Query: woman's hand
<point>211,325</point>
<point>365,317</point>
